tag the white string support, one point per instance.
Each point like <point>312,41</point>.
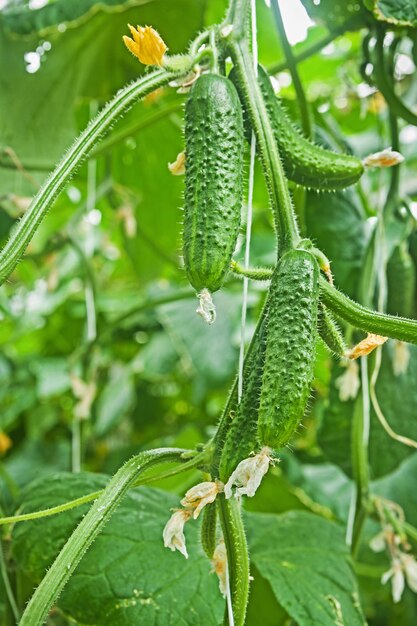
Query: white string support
<point>249,215</point>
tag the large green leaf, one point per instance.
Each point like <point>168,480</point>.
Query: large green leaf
<point>127,577</point>
<point>397,397</point>
<point>83,59</point>
<point>397,12</point>
<point>306,561</point>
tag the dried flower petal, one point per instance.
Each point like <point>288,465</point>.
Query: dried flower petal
<point>366,346</point>
<point>385,158</point>
<point>177,168</point>
<point>377,543</point>
<point>248,474</point>
<point>396,575</point>
<point>146,44</point>
<point>198,496</point>
<point>348,383</point>
<point>173,533</point>
<point>409,565</point>
<point>207,310</point>
<point>219,562</point>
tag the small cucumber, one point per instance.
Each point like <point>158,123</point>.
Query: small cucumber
<point>330,332</point>
<point>290,347</point>
<point>213,180</point>
<point>304,162</point>
<point>242,436</point>
<point>401,280</point>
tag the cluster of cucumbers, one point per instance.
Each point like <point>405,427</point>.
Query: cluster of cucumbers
<point>279,366</point>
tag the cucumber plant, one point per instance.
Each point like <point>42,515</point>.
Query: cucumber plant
<point>261,417</point>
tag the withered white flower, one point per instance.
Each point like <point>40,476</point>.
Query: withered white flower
<point>177,168</point>
<point>409,565</point>
<point>198,496</point>
<point>384,158</point>
<point>248,474</point>
<point>348,383</point>
<point>206,309</point>
<point>173,533</point>
<point>396,575</point>
<point>219,562</point>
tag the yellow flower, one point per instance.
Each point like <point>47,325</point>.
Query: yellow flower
<point>146,44</point>
<point>366,346</point>
<point>177,168</point>
<point>5,443</point>
<point>385,158</point>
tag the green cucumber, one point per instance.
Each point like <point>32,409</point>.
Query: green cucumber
<point>213,180</point>
<point>290,347</point>
<point>401,280</point>
<point>242,436</point>
<point>304,162</point>
<point>329,332</point>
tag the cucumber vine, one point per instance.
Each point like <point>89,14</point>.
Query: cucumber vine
<point>301,302</point>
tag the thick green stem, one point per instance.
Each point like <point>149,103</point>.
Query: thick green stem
<point>360,317</point>
<point>88,529</point>
<point>385,86</point>
<point>292,66</point>
<point>237,558</point>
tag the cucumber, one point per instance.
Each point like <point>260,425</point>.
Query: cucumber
<point>290,347</point>
<point>329,332</point>
<point>242,436</point>
<point>401,280</point>
<point>304,162</point>
<point>214,146</point>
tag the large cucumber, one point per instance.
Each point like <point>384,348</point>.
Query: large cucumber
<point>213,180</point>
<point>290,347</point>
<point>304,162</point>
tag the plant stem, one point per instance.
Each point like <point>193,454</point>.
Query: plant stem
<point>385,85</point>
<point>360,441</point>
<point>309,51</point>
<point>237,557</point>
<point>88,529</point>
<point>285,223</point>
<point>72,504</point>
<point>292,66</point>
<point>360,317</point>
<point>7,585</point>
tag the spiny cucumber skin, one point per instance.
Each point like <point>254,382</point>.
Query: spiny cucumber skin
<point>330,332</point>
<point>401,281</point>
<point>242,437</point>
<point>290,347</point>
<point>213,180</point>
<point>304,162</point>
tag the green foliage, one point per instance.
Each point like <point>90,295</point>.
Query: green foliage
<point>127,576</point>
<point>306,562</point>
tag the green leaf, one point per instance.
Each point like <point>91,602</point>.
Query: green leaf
<point>306,561</point>
<point>397,397</point>
<point>333,13</point>
<point>397,12</point>
<point>127,576</point>
<point>82,59</point>
<point>336,225</point>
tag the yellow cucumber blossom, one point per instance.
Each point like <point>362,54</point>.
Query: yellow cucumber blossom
<point>198,496</point>
<point>248,474</point>
<point>173,533</point>
<point>146,44</point>
<point>385,158</point>
<point>5,443</point>
<point>366,346</point>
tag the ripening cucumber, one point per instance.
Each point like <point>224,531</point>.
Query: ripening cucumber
<point>213,180</point>
<point>290,347</point>
<point>304,162</point>
<point>401,279</point>
<point>242,436</point>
